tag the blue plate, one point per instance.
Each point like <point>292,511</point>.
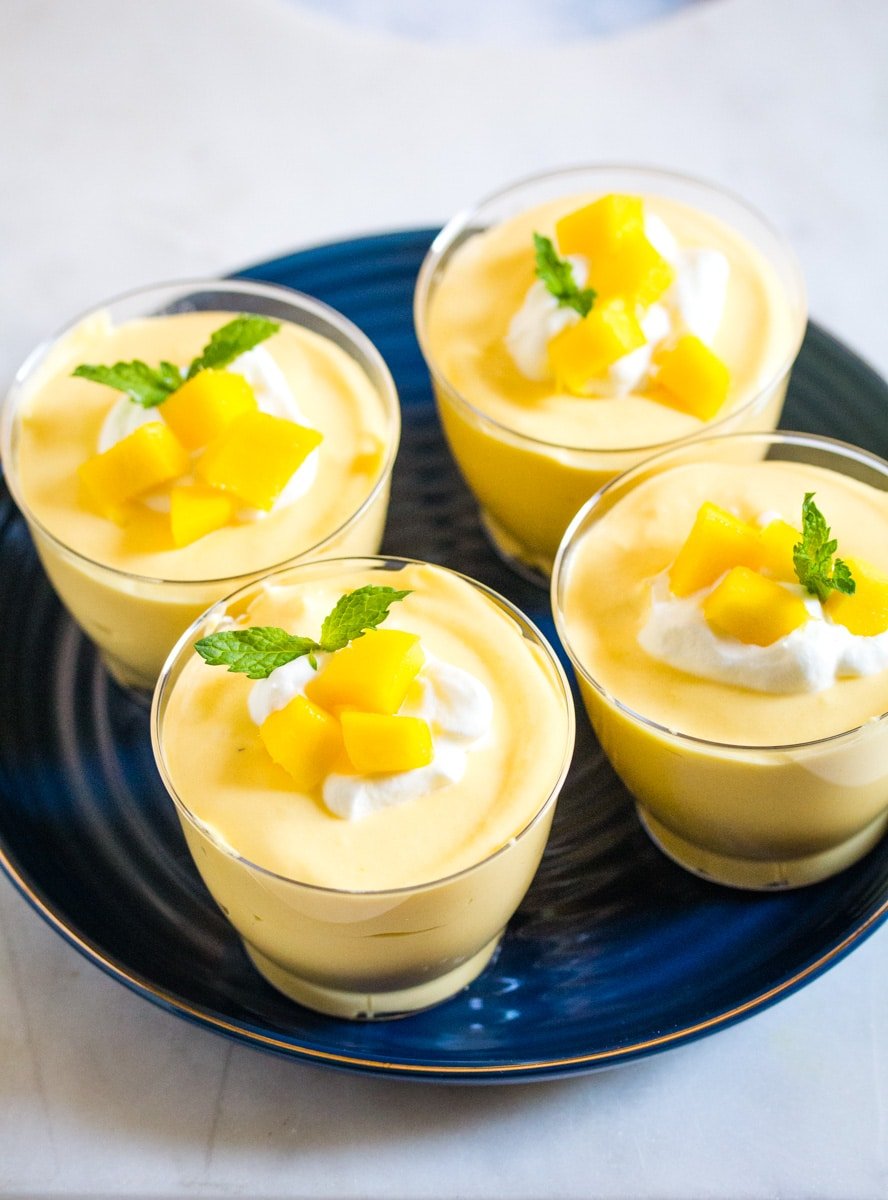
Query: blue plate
<point>615,954</point>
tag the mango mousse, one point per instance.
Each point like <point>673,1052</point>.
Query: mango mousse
<point>577,321</point>
<point>365,762</point>
<point>160,459</point>
<point>728,621</point>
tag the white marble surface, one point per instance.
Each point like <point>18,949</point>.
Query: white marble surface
<point>147,140</point>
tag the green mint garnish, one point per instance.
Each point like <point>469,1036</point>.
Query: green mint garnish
<point>261,649</point>
<point>557,274</point>
<point>150,386</point>
<point>232,340</point>
<point>812,557</point>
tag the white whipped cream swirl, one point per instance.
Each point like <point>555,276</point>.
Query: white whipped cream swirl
<point>809,659</point>
<point>457,706</point>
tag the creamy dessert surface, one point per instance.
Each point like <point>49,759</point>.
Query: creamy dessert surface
<point>225,778</point>
<point>485,282</point>
<point>61,418</point>
<point>607,594</point>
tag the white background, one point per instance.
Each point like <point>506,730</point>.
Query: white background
<point>149,140</point>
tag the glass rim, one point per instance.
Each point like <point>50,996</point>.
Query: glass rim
<point>577,527</point>
<point>445,241</point>
<point>383,562</point>
<point>299,300</point>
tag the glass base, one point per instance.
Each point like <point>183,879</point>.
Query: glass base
<point>534,568</point>
<point>363,1006</point>
<point>762,874</point>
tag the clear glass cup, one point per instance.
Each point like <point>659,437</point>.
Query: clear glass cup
<point>529,488</point>
<point>366,954</point>
<point>135,619</point>
<point>753,816</point>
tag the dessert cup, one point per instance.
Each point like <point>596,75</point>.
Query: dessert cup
<point>762,816</point>
<point>530,486</point>
<point>365,953</point>
<point>134,617</point>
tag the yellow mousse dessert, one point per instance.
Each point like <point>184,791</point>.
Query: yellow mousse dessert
<point>729,625</point>
<point>160,459</point>
<point>368,787</point>
<point>567,340</point>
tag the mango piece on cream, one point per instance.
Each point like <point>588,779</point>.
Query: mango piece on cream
<point>303,739</point>
<point>864,613</point>
<point>694,378</point>
<point>204,406</point>
<point>777,540</point>
<point>196,510</point>
<point>595,229</point>
<point>373,673</point>
<point>376,743</point>
<point>635,270</point>
<point>255,456</point>
<point>144,459</point>
<point>718,541</point>
<point>753,609</point>
<point>588,347</point>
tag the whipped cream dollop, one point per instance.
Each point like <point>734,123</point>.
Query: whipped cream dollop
<point>693,303</point>
<point>809,659</point>
<point>273,395</point>
<point>457,706</point>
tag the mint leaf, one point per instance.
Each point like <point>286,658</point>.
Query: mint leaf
<point>232,340</point>
<point>557,274</point>
<point>355,613</point>
<point>254,652</point>
<point>261,649</point>
<point>148,386</point>
<point>812,557</point>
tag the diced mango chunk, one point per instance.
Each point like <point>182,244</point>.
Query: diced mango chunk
<point>753,609</point>
<point>196,510</point>
<point>865,612</point>
<point>777,540</point>
<point>303,739</point>
<point>635,270</point>
<point>255,456</point>
<point>718,541</point>
<point>376,743</point>
<point>693,377</point>
<point>144,459</point>
<point>595,229</point>
<point>202,407</point>
<point>372,673</point>
<point>588,347</point>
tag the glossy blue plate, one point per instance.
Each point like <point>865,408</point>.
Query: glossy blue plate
<point>615,954</point>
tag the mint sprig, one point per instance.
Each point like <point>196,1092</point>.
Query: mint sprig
<point>261,649</point>
<point>150,386</point>
<point>812,557</point>
<point>557,274</point>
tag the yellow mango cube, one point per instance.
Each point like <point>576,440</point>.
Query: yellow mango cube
<point>865,613</point>
<point>753,609</point>
<point>372,673</point>
<point>588,347</point>
<point>634,270</point>
<point>202,407</point>
<point>777,540</point>
<point>596,228</point>
<point>693,378</point>
<point>255,456</point>
<point>378,743</point>
<point>718,541</point>
<point>303,739</point>
<point>144,459</point>
<point>196,510</point>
